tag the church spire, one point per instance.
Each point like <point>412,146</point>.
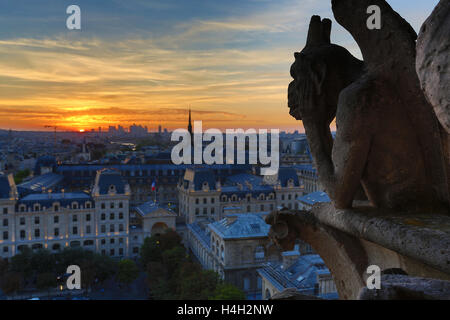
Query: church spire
<point>190,124</point>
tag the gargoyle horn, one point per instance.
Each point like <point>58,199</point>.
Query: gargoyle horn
<point>319,32</point>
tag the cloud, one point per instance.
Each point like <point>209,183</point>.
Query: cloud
<point>228,67</point>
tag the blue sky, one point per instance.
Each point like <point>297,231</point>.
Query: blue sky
<point>146,61</point>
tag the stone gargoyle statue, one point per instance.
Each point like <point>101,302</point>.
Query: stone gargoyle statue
<point>387,135</point>
<point>432,61</point>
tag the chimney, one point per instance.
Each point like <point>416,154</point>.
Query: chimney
<point>289,258</point>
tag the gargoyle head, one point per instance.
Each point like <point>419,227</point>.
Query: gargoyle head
<point>320,71</point>
<point>281,233</point>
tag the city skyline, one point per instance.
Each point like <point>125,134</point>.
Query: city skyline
<point>147,62</point>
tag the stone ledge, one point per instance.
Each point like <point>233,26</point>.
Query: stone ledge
<point>402,287</point>
<point>424,237</point>
<point>292,294</point>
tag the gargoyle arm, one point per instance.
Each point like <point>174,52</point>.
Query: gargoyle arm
<point>341,164</point>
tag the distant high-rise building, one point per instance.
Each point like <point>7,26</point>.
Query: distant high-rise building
<point>112,130</point>
<point>159,129</point>
<point>138,130</point>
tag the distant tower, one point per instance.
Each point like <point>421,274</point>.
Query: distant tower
<point>190,124</point>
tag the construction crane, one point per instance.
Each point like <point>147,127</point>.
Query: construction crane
<point>54,143</point>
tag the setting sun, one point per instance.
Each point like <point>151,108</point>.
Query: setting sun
<point>81,130</point>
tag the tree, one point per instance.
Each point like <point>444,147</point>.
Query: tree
<point>150,251</point>
<point>42,261</point>
<point>46,281</point>
<point>21,262</point>
<point>198,286</point>
<point>226,291</point>
<point>157,281</point>
<point>173,259</point>
<point>12,282</point>
<point>106,267</point>
<point>89,273</point>
<point>3,267</point>
<point>153,247</point>
<point>128,271</point>
<point>20,175</point>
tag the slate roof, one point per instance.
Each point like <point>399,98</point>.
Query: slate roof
<point>302,274</point>
<point>5,187</point>
<point>200,233</point>
<point>156,167</point>
<point>198,176</point>
<point>314,197</point>
<point>39,183</point>
<point>111,178</point>
<point>151,206</point>
<point>243,178</point>
<point>47,200</point>
<point>285,174</point>
<point>256,190</point>
<point>237,226</point>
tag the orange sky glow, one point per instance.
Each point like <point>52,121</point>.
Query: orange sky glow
<point>139,62</point>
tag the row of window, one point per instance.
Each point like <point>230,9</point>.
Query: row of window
<point>235,198</point>
<point>111,205</point>
<point>205,201</point>
<point>22,220</point>
<point>74,206</point>
<point>56,233</point>
<point>205,211</point>
<point>56,207</point>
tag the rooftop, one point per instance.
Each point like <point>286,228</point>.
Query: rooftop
<point>40,183</point>
<point>314,197</point>
<point>55,196</point>
<point>236,226</point>
<point>302,274</point>
<point>151,206</point>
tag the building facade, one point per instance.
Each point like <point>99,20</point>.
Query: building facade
<point>97,221</point>
<point>202,196</point>
<point>300,269</point>
<point>234,247</point>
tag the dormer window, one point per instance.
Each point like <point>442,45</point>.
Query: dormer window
<point>112,189</point>
<point>56,207</point>
<point>22,208</point>
<point>36,207</point>
<point>74,205</point>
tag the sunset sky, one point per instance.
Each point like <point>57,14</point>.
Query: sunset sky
<point>146,61</point>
